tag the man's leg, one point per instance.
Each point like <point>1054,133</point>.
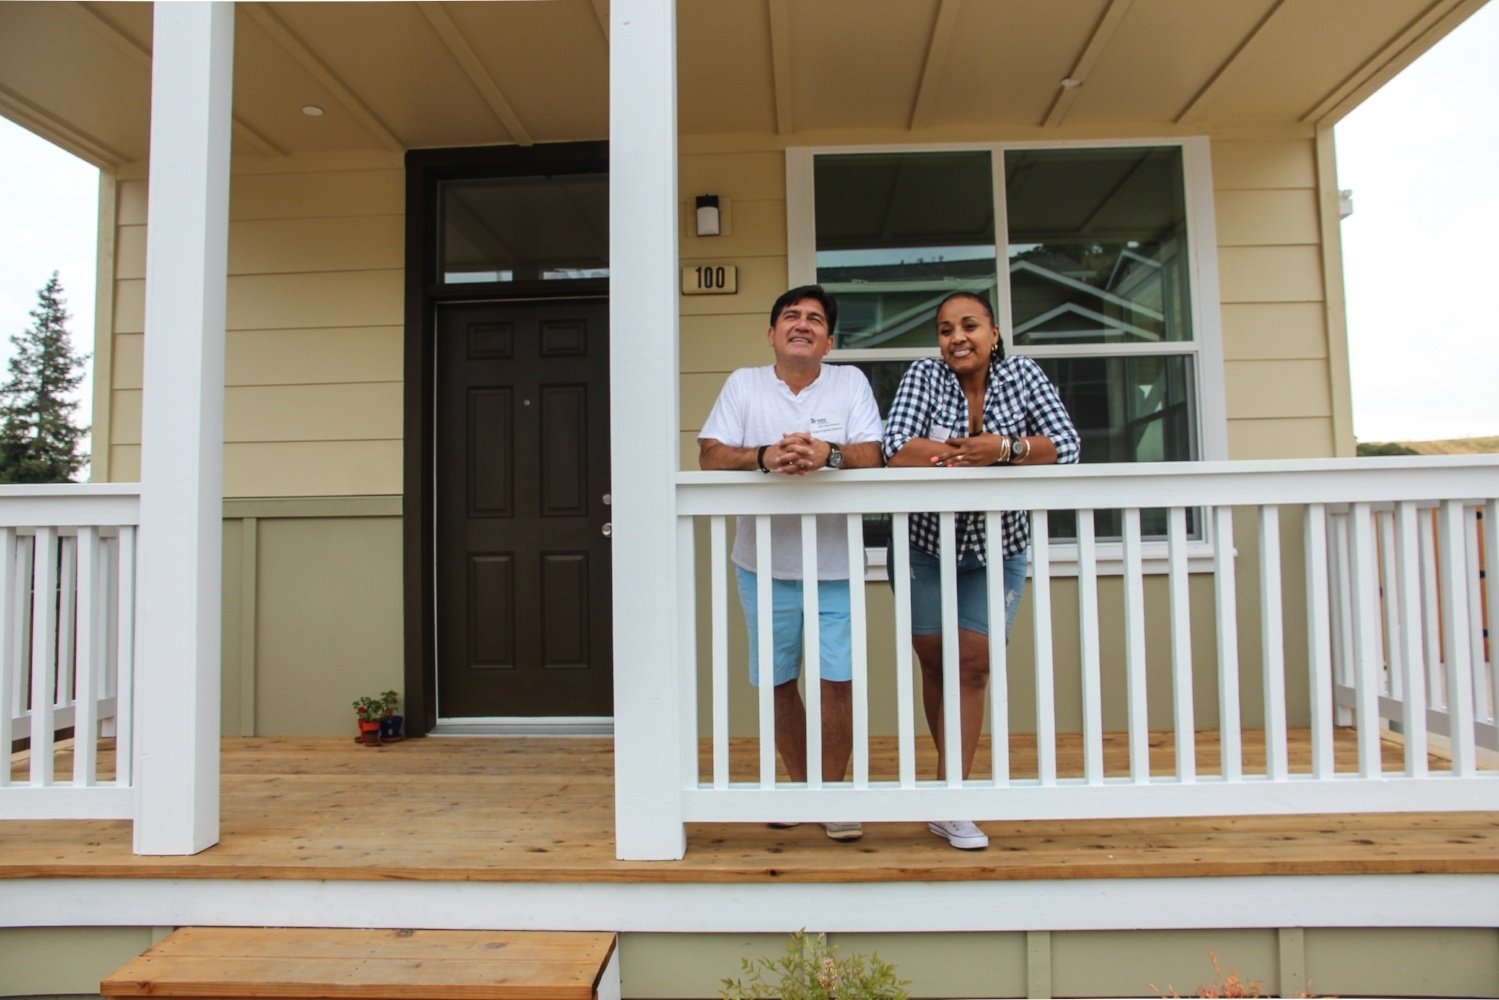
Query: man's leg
<point>837,668</point>
<point>791,729</point>
<point>837,729</point>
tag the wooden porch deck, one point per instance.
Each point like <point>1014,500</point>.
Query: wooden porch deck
<point>541,809</point>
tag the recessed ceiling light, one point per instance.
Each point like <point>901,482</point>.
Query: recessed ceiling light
<point>312,111</point>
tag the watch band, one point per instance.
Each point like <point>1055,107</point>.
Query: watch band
<point>760,458</point>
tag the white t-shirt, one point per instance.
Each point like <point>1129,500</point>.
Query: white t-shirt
<point>755,408</point>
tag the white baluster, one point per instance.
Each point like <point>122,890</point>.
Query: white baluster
<point>999,662</point>
<point>1225,606</point>
<point>1087,624</point>
<point>860,649</point>
<point>719,610</point>
<point>1364,573</point>
<point>1407,600</point>
<point>86,702</point>
<point>1183,712</point>
<point>1454,583</point>
<point>43,654</point>
<point>1135,664</point>
<point>765,637</point>
<point>812,651</point>
<point>10,666</point>
<point>952,714</point>
<point>1321,702</point>
<point>718,603</point>
<point>900,576</point>
<point>1272,639</point>
<point>1046,721</point>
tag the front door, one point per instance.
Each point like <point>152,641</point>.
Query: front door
<point>523,564</point>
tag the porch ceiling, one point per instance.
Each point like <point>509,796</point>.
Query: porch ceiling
<point>397,76</point>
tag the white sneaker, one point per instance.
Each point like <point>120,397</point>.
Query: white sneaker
<point>961,834</point>
<point>844,831</point>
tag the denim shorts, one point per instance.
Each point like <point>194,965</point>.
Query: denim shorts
<point>973,592</point>
<point>835,643</point>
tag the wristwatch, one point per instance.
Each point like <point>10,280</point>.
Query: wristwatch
<point>835,456</point>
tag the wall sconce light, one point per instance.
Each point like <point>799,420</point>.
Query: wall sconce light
<point>707,215</point>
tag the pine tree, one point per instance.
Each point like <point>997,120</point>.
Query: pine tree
<point>39,443</point>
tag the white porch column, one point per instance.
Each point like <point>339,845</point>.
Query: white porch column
<point>643,426</point>
<point>182,430</point>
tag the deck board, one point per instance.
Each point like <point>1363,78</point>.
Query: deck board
<point>541,809</point>
<point>241,962</point>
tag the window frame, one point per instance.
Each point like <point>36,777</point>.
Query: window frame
<point>1205,348</point>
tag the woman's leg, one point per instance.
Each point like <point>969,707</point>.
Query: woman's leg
<point>973,683</point>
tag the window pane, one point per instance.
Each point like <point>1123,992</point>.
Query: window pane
<point>1132,409</point>
<point>896,232</point>
<point>1097,245</point>
<point>524,229</point>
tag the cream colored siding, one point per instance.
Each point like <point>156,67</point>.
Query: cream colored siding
<point>722,332</point>
<point>314,330</point>
<point>57,961</point>
<point>1276,342</point>
<point>1274,389</point>
<point>312,599</point>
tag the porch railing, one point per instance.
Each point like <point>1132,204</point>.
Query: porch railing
<point>67,636</point>
<point>1358,627</point>
<point>1434,615</point>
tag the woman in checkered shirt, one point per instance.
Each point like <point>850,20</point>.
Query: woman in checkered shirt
<point>973,407</point>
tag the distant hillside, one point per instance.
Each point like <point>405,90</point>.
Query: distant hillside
<point>1455,446</point>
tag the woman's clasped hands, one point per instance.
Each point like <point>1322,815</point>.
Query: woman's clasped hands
<point>973,452</point>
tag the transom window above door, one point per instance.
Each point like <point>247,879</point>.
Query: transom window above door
<point>520,229</point>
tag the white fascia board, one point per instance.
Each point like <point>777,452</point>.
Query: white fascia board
<point>1266,901</point>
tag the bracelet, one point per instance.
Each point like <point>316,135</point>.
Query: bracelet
<point>760,458</point>
<point>1006,444</point>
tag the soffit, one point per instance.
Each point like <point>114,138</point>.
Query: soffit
<point>401,75</point>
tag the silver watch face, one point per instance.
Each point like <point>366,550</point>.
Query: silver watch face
<point>835,458</point>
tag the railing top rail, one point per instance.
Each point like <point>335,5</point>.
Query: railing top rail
<point>69,504</point>
<point>1102,486</point>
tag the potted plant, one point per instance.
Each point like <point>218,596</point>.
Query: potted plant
<point>370,713</point>
<point>390,720</point>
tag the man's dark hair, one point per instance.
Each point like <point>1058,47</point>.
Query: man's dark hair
<point>823,297</point>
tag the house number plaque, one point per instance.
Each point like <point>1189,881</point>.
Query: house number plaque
<point>710,279</point>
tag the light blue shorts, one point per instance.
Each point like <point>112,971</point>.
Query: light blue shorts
<point>973,593</point>
<point>836,661</point>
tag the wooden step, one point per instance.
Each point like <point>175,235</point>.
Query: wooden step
<point>325,964</point>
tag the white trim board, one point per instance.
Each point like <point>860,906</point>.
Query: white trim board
<point>886,907</point>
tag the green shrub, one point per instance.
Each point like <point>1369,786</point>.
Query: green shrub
<point>811,970</point>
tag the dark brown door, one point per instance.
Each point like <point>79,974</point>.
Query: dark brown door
<point>523,595</point>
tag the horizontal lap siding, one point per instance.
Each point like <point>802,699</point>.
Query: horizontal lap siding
<point>720,333</point>
<point>1278,375</point>
<point>314,328</point>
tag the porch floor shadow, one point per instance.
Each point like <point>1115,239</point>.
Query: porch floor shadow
<point>541,809</point>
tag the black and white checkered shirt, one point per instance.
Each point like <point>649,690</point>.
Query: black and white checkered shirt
<point>1018,400</point>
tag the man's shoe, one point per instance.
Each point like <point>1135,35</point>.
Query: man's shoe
<point>961,834</point>
<point>844,831</point>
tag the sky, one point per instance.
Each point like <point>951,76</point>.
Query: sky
<point>1422,160</point>
<point>1421,157</point>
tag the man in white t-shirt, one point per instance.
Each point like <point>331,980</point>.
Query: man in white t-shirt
<point>798,417</point>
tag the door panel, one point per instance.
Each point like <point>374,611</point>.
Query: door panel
<point>523,570</point>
